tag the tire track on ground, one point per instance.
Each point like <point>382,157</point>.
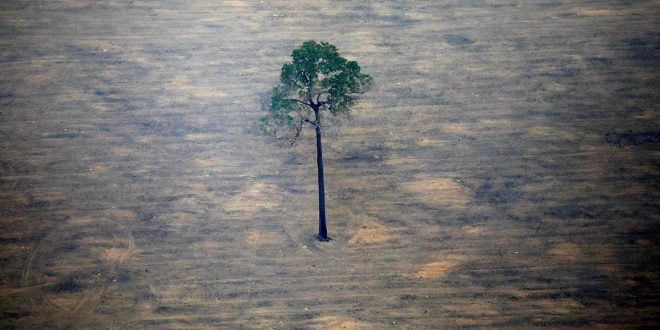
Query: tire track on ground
<point>39,291</point>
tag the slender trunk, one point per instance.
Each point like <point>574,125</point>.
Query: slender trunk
<point>323,231</point>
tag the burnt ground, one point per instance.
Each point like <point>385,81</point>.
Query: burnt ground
<point>502,173</point>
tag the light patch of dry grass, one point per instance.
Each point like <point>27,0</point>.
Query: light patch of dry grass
<point>252,199</point>
<point>566,251</point>
<point>473,231</point>
<point>371,233</point>
<point>340,323</point>
<point>596,12</point>
<point>38,78</point>
<point>112,254</point>
<point>555,87</point>
<point>77,95</point>
<point>456,128</point>
<point>366,47</point>
<point>67,301</point>
<point>557,306</point>
<point>435,269</point>
<point>439,266</point>
<point>182,84</point>
<point>478,308</point>
<point>123,151</point>
<point>550,133</point>
<point>97,241</point>
<point>439,191</point>
<point>122,214</point>
<point>208,162</point>
<point>206,245</point>
<point>346,180</point>
<point>496,124</point>
<point>179,219</point>
<point>50,195</point>
<point>101,107</point>
<point>95,171</point>
<point>257,238</point>
<point>648,114</point>
<point>431,142</point>
<point>199,136</point>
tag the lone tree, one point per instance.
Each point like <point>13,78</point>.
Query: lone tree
<point>316,82</point>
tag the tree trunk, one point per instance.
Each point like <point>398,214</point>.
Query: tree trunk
<point>323,230</point>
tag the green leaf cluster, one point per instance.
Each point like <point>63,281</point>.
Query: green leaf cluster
<point>318,78</point>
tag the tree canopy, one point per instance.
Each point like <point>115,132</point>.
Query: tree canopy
<point>317,79</point>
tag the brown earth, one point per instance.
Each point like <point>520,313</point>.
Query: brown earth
<point>502,173</point>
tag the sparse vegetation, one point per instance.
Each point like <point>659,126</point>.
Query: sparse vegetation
<point>502,172</point>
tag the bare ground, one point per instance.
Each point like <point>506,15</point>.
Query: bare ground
<point>503,172</point>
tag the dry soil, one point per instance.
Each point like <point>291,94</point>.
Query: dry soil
<point>502,172</point>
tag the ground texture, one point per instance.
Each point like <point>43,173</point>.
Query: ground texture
<point>503,172</point>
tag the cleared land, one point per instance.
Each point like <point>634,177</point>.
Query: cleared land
<point>503,172</point>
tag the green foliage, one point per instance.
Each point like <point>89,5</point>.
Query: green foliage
<point>317,79</point>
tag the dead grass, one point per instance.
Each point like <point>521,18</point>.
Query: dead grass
<point>50,195</point>
<point>207,245</point>
<point>39,78</point>
<point>596,12</point>
<point>562,306</point>
<point>435,269</point>
<point>370,233</point>
<point>439,267</point>
<point>259,238</point>
<point>112,254</point>
<point>439,191</point>
<point>122,214</point>
<point>431,142</point>
<point>495,199</point>
<point>566,252</point>
<point>255,197</point>
<point>340,323</point>
<point>473,231</point>
<point>550,133</point>
<point>186,86</point>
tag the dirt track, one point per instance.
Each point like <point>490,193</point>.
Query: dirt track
<point>503,172</point>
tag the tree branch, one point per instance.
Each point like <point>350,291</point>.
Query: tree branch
<point>304,119</point>
<point>313,123</point>
<point>299,101</point>
<point>318,96</point>
<point>292,140</point>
